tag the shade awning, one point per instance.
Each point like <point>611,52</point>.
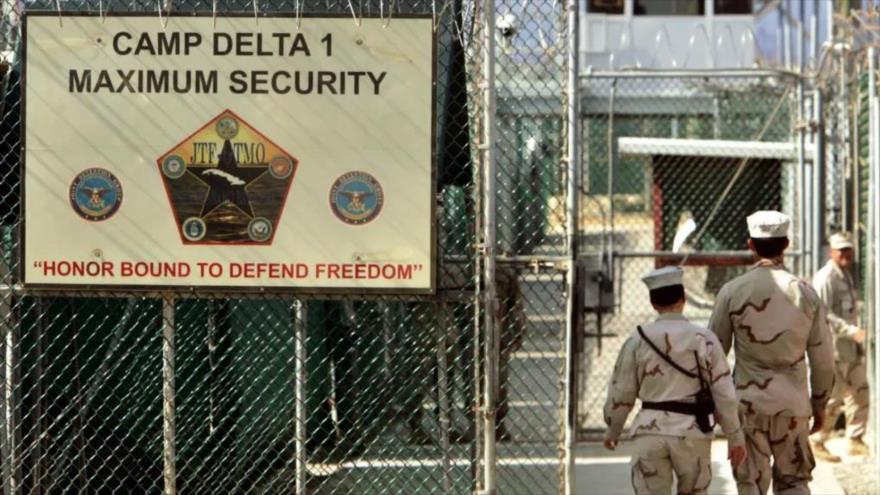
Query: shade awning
<point>710,148</point>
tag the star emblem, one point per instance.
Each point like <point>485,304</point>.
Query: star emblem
<point>228,182</point>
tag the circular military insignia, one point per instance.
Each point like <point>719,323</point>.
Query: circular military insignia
<point>280,167</point>
<point>356,198</point>
<point>259,229</point>
<point>194,228</point>
<point>95,194</point>
<point>174,167</point>
<point>227,128</point>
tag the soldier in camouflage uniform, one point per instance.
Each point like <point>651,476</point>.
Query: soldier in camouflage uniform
<point>669,439</point>
<point>835,286</point>
<point>777,322</point>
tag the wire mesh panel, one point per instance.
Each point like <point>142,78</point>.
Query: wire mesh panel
<point>88,389</point>
<point>531,72</point>
<point>217,393</point>
<point>673,165</point>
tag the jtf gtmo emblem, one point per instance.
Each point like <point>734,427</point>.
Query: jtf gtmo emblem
<point>227,183</point>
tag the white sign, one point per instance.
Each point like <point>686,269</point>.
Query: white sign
<point>278,153</point>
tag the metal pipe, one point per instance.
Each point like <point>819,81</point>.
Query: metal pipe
<point>870,282</point>
<point>214,412</point>
<point>387,337</point>
<point>855,151</point>
<point>610,191</point>
<point>843,144</point>
<point>37,443</point>
<point>786,33</point>
<point>638,73</point>
<point>475,202</point>
<point>11,431</point>
<point>572,223</point>
<point>169,409</point>
<point>696,256</point>
<point>818,204</point>
<point>814,31</point>
<point>461,295</point>
<point>443,393</point>
<point>300,393</point>
<point>801,38</point>
<point>806,184</point>
<point>490,303</point>
<point>477,465</point>
<point>870,221</point>
<point>803,243</point>
<point>873,245</point>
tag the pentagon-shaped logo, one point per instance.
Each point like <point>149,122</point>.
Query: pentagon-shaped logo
<point>227,183</point>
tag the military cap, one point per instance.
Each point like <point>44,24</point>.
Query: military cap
<point>768,224</point>
<point>664,277</point>
<point>841,240</point>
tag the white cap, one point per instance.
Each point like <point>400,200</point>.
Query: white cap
<point>768,224</point>
<point>841,240</point>
<point>664,277</point>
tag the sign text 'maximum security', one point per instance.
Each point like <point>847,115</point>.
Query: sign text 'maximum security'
<point>173,81</point>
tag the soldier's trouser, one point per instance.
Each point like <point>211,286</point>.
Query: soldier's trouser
<point>658,456</point>
<point>851,395</point>
<point>785,441</point>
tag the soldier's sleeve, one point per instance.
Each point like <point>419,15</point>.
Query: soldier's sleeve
<point>719,323</point>
<point>825,289</point>
<point>820,350</point>
<point>622,390</point>
<point>723,392</point>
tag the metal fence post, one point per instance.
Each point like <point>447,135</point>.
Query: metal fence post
<point>610,146</point>
<point>871,245</point>
<point>443,393</point>
<point>818,187</point>
<point>805,184</point>
<point>11,432</point>
<point>300,327</point>
<point>803,243</point>
<point>843,140</point>
<point>169,409</point>
<point>572,224</point>
<point>10,417</point>
<point>490,304</point>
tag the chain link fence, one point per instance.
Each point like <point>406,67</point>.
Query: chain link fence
<point>862,113</point>
<point>673,164</point>
<point>219,393</point>
<point>215,393</point>
<point>851,82</point>
<point>531,140</point>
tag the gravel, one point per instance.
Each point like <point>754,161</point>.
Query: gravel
<point>858,478</point>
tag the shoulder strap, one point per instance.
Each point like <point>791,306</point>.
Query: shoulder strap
<point>665,356</point>
<point>699,369</point>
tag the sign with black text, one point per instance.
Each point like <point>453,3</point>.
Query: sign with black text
<point>273,153</point>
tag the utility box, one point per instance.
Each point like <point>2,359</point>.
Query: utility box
<point>596,288</point>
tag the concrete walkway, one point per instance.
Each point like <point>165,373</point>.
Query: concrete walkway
<point>603,472</point>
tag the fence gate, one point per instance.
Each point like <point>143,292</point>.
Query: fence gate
<point>673,163</point>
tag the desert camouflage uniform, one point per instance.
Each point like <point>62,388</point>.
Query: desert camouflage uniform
<point>837,290</point>
<point>667,441</point>
<point>778,322</point>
